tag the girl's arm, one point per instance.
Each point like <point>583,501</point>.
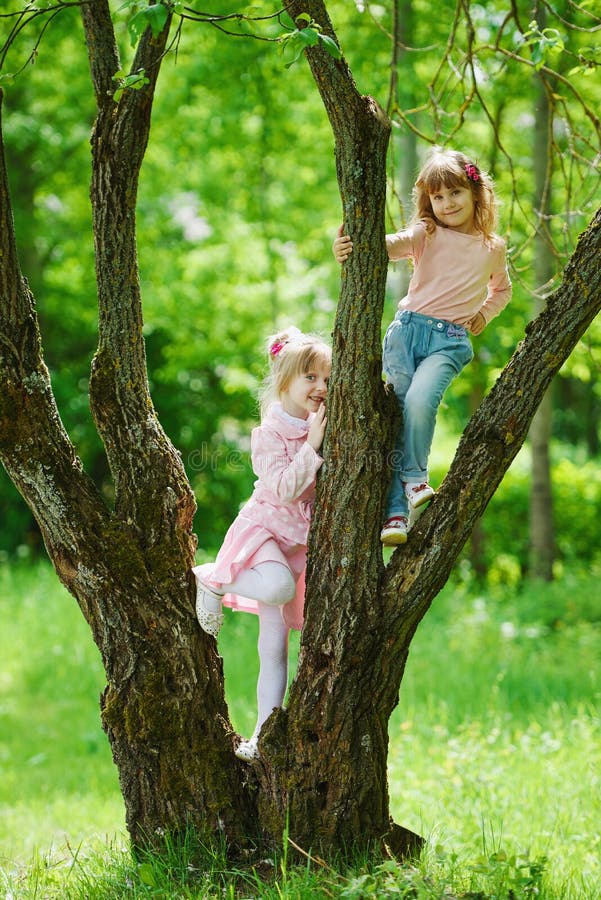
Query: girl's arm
<point>286,478</point>
<point>497,297</point>
<point>342,246</point>
<point>401,245</point>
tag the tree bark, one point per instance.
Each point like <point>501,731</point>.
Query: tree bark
<point>129,568</point>
<point>326,771</point>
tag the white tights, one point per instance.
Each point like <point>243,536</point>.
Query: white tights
<point>273,663</point>
<point>271,584</point>
<point>268,582</point>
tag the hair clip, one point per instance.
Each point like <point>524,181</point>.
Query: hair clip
<point>472,172</point>
<point>277,348</point>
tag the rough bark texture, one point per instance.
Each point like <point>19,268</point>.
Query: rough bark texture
<point>163,708</point>
<point>326,775</point>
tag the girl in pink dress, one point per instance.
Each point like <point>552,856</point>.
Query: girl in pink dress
<point>261,565</point>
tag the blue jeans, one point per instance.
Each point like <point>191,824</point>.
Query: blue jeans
<point>421,357</point>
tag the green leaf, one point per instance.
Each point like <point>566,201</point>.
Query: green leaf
<point>133,82</point>
<point>153,17</point>
<point>330,45</point>
<point>309,37</point>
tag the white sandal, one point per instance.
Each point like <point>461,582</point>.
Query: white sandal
<point>209,621</point>
<point>248,750</point>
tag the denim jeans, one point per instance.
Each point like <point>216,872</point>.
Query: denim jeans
<point>421,357</point>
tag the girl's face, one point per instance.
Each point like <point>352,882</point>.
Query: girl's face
<point>306,392</point>
<point>454,207</point>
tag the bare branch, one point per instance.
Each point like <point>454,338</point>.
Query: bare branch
<point>24,18</point>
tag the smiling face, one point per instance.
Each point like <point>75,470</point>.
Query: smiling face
<point>454,208</point>
<point>306,392</point>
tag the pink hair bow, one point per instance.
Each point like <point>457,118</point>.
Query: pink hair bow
<point>472,172</point>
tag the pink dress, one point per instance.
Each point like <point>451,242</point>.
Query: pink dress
<point>275,522</point>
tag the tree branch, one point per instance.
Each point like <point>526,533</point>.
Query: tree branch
<point>494,435</point>
<point>34,446</point>
<point>135,443</point>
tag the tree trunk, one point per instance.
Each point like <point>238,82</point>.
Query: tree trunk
<point>326,771</point>
<point>542,532</point>
<point>129,568</point>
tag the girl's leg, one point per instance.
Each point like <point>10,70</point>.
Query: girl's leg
<point>396,501</point>
<point>271,583</point>
<point>273,663</point>
<point>399,362</point>
<point>273,674</point>
<point>422,400</point>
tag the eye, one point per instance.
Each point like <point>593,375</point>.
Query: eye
<point>310,376</point>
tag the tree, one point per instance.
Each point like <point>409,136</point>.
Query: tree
<point>542,532</point>
<point>324,769</point>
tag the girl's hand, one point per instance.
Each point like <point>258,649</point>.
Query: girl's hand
<point>477,324</point>
<point>342,246</point>
<point>317,428</point>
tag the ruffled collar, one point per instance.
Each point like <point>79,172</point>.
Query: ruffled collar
<point>285,424</point>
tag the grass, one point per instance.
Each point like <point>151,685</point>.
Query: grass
<point>494,756</point>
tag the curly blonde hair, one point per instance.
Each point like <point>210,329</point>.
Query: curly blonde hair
<point>291,353</point>
<point>449,169</point>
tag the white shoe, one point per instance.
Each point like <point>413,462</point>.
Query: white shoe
<point>209,621</point>
<point>418,494</point>
<point>248,750</point>
<point>394,531</point>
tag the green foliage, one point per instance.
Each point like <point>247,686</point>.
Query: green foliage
<point>135,81</point>
<point>153,16</point>
<point>307,33</point>
<point>237,209</point>
<point>544,43</point>
<point>505,524</point>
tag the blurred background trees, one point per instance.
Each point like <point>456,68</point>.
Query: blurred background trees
<point>238,208</point>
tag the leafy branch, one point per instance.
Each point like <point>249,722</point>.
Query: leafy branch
<point>135,81</point>
<point>543,43</point>
<point>305,33</point>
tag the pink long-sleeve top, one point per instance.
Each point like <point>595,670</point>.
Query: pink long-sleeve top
<point>455,275</point>
<point>286,466</point>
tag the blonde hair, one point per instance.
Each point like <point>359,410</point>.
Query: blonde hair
<point>449,169</point>
<point>291,353</point>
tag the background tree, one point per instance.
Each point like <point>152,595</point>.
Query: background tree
<point>542,533</point>
<point>127,562</point>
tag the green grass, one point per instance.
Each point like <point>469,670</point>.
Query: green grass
<point>494,756</point>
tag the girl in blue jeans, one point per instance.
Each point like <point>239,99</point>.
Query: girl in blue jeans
<point>459,283</point>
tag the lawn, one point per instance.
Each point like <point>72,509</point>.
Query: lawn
<point>494,748</point>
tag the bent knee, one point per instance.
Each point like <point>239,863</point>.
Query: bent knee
<point>280,590</point>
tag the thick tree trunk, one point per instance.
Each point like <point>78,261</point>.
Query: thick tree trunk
<point>129,568</point>
<point>326,772</point>
<point>327,756</point>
